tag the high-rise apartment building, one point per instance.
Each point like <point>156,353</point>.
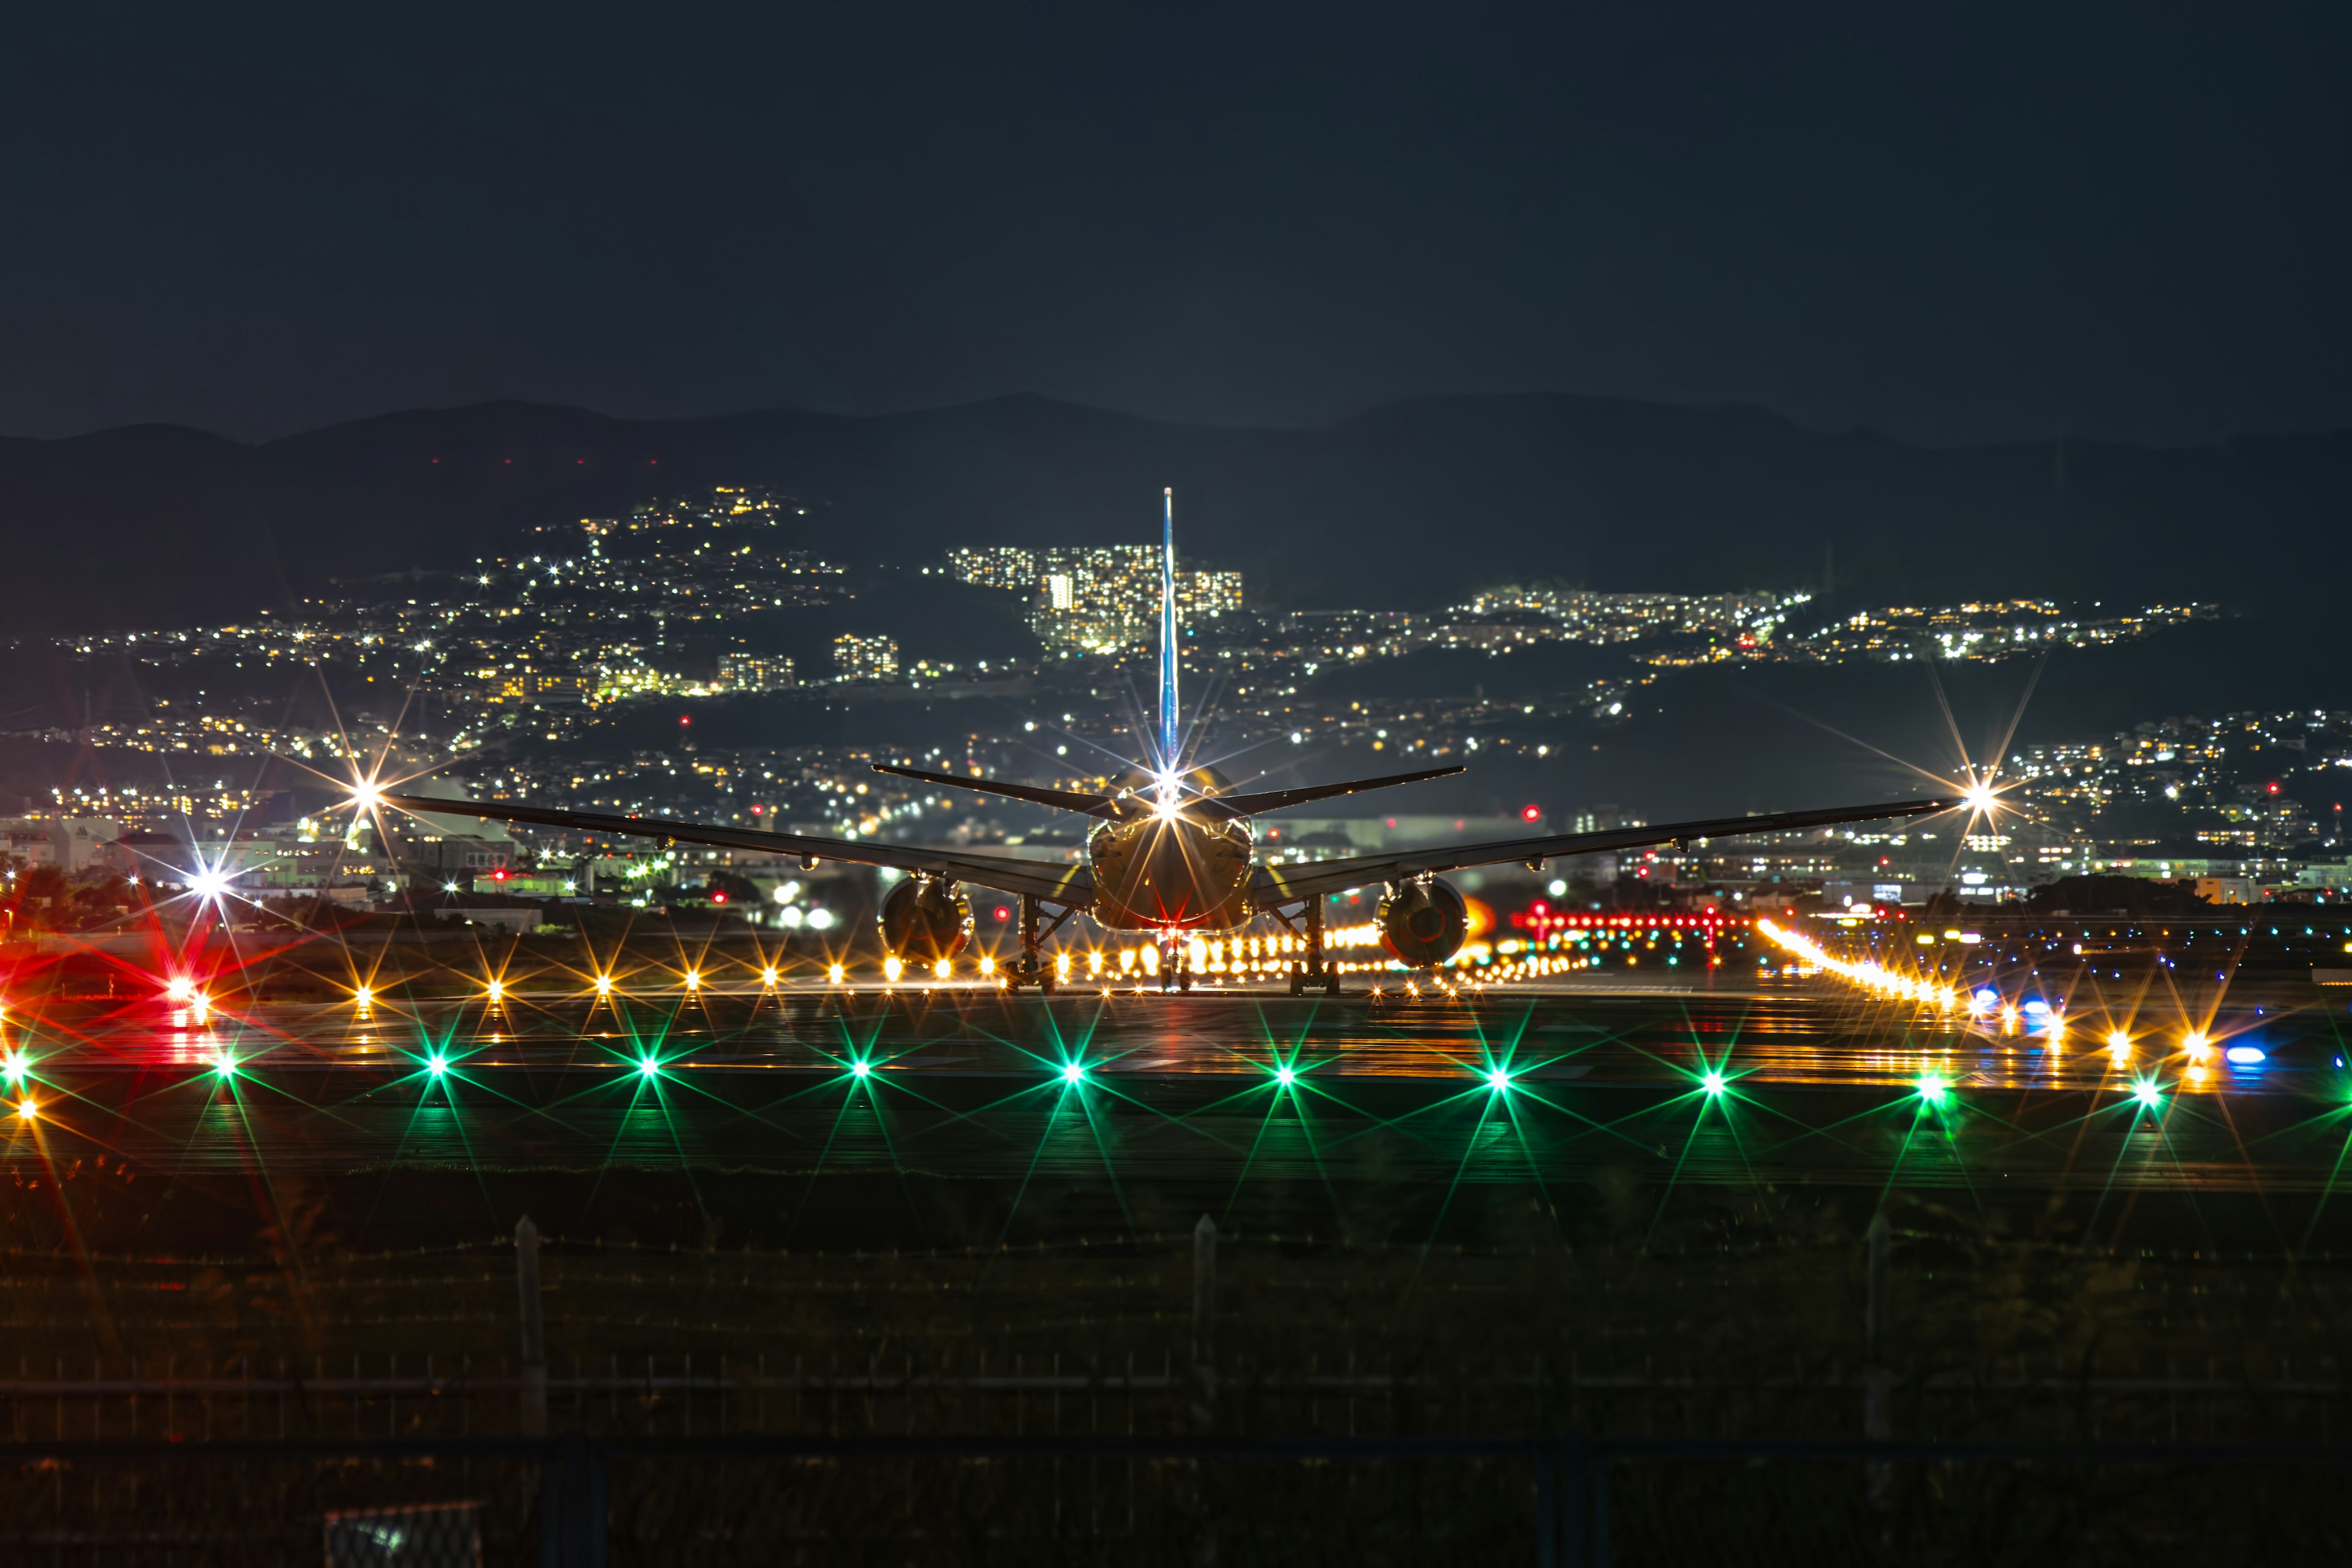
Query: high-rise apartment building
<point>857,658</point>
<point>1205,595</point>
<point>745,671</point>
<point>1006,566</point>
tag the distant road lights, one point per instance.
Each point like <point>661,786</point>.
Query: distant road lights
<point>448,887</point>
<point>834,974</point>
<point>496,990</point>
<point>603,986</point>
<point>1933,1087</point>
<point>2118,1044</point>
<point>363,997</point>
<point>892,968</point>
<point>365,795</point>
<point>27,1109</point>
<point>1981,799</point>
<point>2196,1044</point>
<point>768,978</point>
<point>694,980</point>
<point>1711,1081</point>
<point>944,969</point>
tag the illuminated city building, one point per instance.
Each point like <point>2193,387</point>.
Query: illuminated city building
<point>1096,599</point>
<point>1008,567</point>
<point>857,658</point>
<point>742,671</point>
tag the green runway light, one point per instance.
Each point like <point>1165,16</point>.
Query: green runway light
<point>1285,1075</point>
<point>2145,1092</point>
<point>860,1068</point>
<point>16,1067</point>
<point>1933,1088</point>
<point>437,1064</point>
<point>1075,1072</point>
<point>650,1067</point>
<point>1498,1080</point>
<point>1712,1083</point>
<point>225,1065</point>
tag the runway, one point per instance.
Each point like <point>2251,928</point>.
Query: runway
<point>1786,1082</point>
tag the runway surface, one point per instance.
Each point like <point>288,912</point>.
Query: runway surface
<point>1542,1086</point>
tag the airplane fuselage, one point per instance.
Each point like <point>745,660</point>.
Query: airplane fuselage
<point>1169,873</point>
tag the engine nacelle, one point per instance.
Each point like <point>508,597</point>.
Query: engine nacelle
<point>924,921</point>
<point>1424,923</point>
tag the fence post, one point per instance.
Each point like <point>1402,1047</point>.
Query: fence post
<point>1547,1508</point>
<point>534,1331</point>
<point>1204,1382</point>
<point>1580,1521</point>
<point>574,1489</point>
<point>1205,1326</point>
<point>1877,1376</point>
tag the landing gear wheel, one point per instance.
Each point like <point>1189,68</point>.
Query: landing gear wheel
<point>1297,982</point>
<point>1184,978</point>
<point>1331,983</point>
<point>1044,985</point>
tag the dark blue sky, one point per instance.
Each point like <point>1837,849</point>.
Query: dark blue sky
<point>1951,222</point>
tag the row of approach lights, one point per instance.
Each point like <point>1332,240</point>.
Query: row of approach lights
<point>2195,1044</point>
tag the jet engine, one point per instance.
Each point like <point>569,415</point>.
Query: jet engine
<point>924,920</point>
<point>1424,923</point>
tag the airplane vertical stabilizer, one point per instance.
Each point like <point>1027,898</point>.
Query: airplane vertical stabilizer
<point>1171,721</point>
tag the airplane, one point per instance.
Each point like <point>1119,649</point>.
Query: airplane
<point>1173,853</point>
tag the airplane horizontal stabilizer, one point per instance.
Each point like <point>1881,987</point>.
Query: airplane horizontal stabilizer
<point>1059,799</point>
<point>1281,799</point>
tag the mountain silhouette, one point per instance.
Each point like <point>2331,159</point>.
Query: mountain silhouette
<point>1414,505</point>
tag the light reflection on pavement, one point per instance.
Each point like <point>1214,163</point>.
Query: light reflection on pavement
<point>1821,1086</point>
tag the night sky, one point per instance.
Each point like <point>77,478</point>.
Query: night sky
<point>1953,223</point>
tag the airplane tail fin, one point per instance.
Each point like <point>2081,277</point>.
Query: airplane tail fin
<point>1171,719</point>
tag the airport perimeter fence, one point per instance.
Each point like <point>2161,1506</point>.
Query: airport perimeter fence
<point>1571,1502</point>
<point>1921,1334</point>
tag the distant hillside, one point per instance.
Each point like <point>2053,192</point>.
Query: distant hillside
<point>1413,505</point>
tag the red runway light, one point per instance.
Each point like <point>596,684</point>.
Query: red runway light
<point>1532,814</point>
<point>717,898</point>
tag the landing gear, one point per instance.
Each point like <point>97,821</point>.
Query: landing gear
<point>1030,969</point>
<point>1318,973</point>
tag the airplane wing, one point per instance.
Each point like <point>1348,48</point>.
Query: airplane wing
<point>1070,884</point>
<point>1274,886</point>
